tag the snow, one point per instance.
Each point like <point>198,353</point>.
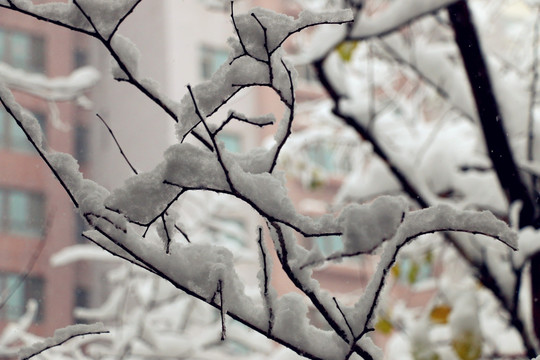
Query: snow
<point>435,64</point>
<point>464,321</point>
<point>528,245</point>
<point>60,336</point>
<point>105,14</point>
<point>128,55</point>
<point>106,312</point>
<point>53,89</point>
<point>282,26</point>
<point>394,16</point>
<point>79,252</point>
<point>322,42</point>
<point>67,168</point>
<point>207,269</point>
<point>365,227</point>
<point>291,320</point>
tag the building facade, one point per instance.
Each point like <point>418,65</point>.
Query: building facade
<point>37,218</point>
<point>181,43</point>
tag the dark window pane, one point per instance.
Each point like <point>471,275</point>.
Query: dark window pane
<point>42,120</point>
<point>329,244</point>
<point>22,50</point>
<point>20,46</point>
<point>11,135</point>
<point>232,142</point>
<point>18,139</point>
<point>20,292</point>
<point>37,56</point>
<point>211,60</point>
<point>80,227</point>
<point>81,297</point>
<point>15,304</point>
<point>2,44</point>
<point>3,214</point>
<point>34,290</point>
<point>80,58</point>
<point>81,143</point>
<point>306,73</point>
<point>19,211</point>
<point>3,129</point>
<point>24,213</point>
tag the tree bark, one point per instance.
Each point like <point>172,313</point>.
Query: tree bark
<point>495,137</point>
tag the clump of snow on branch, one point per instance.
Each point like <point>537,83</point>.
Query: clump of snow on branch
<point>365,227</point>
<point>61,336</point>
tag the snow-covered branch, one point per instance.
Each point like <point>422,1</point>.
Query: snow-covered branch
<point>60,337</point>
<point>137,222</point>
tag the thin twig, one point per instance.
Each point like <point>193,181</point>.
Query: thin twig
<point>184,234</point>
<point>213,139</point>
<point>222,311</point>
<point>117,144</point>
<point>42,153</point>
<point>72,336</point>
<point>343,314</point>
<point>168,241</point>
<point>291,104</point>
<point>124,17</point>
<point>12,6</point>
<point>29,267</point>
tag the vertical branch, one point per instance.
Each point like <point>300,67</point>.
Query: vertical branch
<point>212,138</point>
<point>168,241</point>
<point>237,30</point>
<point>489,113</point>
<point>269,57</point>
<point>371,84</point>
<point>291,106</point>
<point>532,89</point>
<point>222,311</point>
<point>497,144</point>
<point>266,280</point>
<point>283,255</point>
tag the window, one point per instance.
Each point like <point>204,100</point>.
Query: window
<point>22,50</point>
<point>81,143</point>
<point>16,292</point>
<point>333,158</point>
<point>410,271</point>
<point>229,231</point>
<point>11,135</point>
<point>81,301</point>
<point>306,73</point>
<point>321,154</point>
<point>80,227</point>
<point>211,60</point>
<point>81,297</point>
<point>80,58</point>
<point>232,142</point>
<point>21,213</point>
<point>329,244</point>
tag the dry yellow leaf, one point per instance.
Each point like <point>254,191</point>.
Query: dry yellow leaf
<point>384,325</point>
<point>467,346</point>
<point>439,314</point>
<point>395,271</point>
<point>346,49</point>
